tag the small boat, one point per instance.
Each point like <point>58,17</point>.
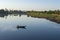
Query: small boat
<point>20,26</point>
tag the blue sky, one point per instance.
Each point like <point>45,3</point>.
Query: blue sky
<point>30,4</point>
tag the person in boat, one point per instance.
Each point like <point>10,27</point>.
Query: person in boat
<point>20,26</point>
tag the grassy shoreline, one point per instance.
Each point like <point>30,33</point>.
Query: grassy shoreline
<point>50,16</point>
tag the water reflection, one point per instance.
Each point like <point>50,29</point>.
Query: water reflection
<point>51,19</point>
<point>11,21</point>
<point>36,28</point>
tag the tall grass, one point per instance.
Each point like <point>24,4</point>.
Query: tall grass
<point>50,16</point>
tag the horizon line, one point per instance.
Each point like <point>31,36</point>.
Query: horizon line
<point>29,9</point>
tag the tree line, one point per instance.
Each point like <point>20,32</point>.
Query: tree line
<point>6,11</point>
<point>48,12</point>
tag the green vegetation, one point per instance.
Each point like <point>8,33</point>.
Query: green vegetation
<point>6,11</point>
<point>50,15</point>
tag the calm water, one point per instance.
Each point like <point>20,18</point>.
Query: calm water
<point>36,28</point>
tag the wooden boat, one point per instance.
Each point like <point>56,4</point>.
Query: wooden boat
<point>20,26</point>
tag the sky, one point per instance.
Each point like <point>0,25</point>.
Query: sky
<point>30,4</point>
